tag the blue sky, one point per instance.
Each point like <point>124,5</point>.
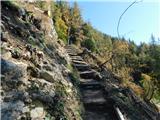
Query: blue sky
<point>138,23</point>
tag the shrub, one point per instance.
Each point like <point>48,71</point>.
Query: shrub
<point>89,44</point>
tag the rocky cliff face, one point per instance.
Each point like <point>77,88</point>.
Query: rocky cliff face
<point>35,82</point>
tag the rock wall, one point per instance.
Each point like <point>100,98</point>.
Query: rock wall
<point>34,74</point>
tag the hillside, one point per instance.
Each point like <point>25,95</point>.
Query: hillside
<point>34,84</point>
<point>55,66</point>
<point>136,65</point>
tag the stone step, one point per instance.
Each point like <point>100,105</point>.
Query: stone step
<point>72,54</point>
<point>90,84</point>
<point>87,80</point>
<point>81,67</point>
<point>93,97</point>
<point>95,115</point>
<point>71,51</point>
<point>95,107</point>
<point>70,48</point>
<point>90,115</point>
<point>78,59</point>
<point>89,74</point>
<point>79,62</point>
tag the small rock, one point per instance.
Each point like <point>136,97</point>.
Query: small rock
<point>4,37</point>
<point>15,54</point>
<point>19,105</point>
<point>45,62</point>
<point>12,83</point>
<point>28,100</point>
<point>5,18</point>
<point>37,113</point>
<point>7,55</point>
<point>47,76</point>
<point>25,109</point>
<point>7,98</point>
<point>26,55</point>
<point>52,93</point>
<point>48,67</point>
<point>65,71</point>
<point>2,26</point>
<point>33,71</point>
<point>43,97</point>
<point>21,12</point>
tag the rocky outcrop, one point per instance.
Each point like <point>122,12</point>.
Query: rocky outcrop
<point>33,87</point>
<point>19,93</point>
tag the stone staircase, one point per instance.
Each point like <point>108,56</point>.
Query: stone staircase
<point>92,90</point>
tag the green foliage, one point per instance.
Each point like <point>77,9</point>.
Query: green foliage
<point>49,117</point>
<point>148,86</point>
<point>60,23</point>
<point>41,4</point>
<point>60,102</point>
<point>89,44</point>
<point>74,76</point>
<point>31,40</point>
<point>125,58</point>
<point>61,29</point>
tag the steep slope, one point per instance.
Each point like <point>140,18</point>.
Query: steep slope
<point>92,91</point>
<point>38,81</point>
<point>117,98</point>
<point>35,82</point>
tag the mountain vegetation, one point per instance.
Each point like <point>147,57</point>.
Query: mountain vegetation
<point>137,65</point>
<point>57,66</point>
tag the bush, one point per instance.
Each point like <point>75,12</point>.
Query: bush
<point>89,44</point>
<point>61,29</point>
